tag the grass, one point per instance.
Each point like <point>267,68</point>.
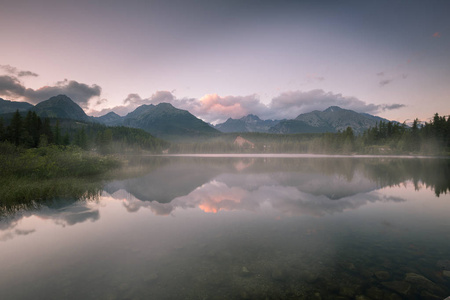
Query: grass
<point>28,176</point>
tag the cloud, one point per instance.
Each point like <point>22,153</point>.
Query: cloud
<point>290,104</point>
<point>14,71</point>
<point>437,34</point>
<point>385,82</point>
<point>100,101</point>
<point>314,78</point>
<point>380,74</point>
<point>215,109</point>
<point>307,194</point>
<point>80,93</point>
<point>391,107</point>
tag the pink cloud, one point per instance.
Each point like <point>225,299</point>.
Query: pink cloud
<point>437,34</point>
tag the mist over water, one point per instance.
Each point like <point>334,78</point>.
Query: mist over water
<point>240,228</point>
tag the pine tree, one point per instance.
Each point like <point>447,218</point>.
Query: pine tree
<point>15,129</point>
<point>47,130</point>
<point>2,130</point>
<point>57,135</point>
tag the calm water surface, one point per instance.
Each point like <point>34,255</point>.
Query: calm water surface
<point>240,228</point>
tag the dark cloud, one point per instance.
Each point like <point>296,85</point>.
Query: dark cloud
<point>14,71</point>
<point>380,74</point>
<point>385,82</point>
<point>392,106</point>
<point>11,87</point>
<point>80,93</point>
<point>100,101</point>
<point>24,232</point>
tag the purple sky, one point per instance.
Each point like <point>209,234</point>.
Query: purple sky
<point>221,59</point>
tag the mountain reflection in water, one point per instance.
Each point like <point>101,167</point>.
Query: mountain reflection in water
<point>314,186</point>
<point>239,228</point>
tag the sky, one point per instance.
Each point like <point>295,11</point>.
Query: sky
<point>221,59</point>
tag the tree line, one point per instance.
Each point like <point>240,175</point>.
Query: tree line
<point>431,137</point>
<point>30,131</point>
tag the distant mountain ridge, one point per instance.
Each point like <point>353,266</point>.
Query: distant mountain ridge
<point>110,119</point>
<point>7,106</point>
<point>249,123</point>
<point>165,121</point>
<point>332,119</point>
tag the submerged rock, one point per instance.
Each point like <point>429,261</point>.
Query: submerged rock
<point>245,272</point>
<point>400,287</point>
<point>443,264</point>
<point>349,290</point>
<point>382,275</point>
<point>311,277</point>
<point>422,283</point>
<point>279,274</point>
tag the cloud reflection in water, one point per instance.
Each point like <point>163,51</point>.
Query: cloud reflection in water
<point>251,192</point>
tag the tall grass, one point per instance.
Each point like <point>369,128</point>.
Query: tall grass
<point>32,175</point>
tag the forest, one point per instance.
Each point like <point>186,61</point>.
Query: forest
<point>33,132</point>
<point>428,138</point>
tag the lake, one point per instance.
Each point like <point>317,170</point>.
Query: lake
<point>239,227</point>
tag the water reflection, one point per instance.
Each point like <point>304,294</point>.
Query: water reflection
<point>234,233</point>
<point>60,212</point>
<point>314,186</point>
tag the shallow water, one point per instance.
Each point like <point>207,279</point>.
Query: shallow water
<point>240,228</point>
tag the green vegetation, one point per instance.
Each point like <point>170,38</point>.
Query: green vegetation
<point>37,174</point>
<point>431,138</point>
<point>117,139</point>
<point>45,159</point>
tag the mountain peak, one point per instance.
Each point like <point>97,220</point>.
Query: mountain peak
<point>333,109</point>
<point>250,117</point>
<point>111,113</point>
<point>61,107</point>
<point>165,120</point>
<point>165,105</point>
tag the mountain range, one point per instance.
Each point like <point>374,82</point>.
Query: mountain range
<point>249,123</point>
<point>332,119</point>
<point>165,121</point>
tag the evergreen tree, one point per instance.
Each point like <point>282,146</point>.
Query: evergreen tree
<point>15,129</point>
<point>66,139</point>
<point>2,130</point>
<point>57,134</point>
<point>47,130</point>
<point>81,139</point>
